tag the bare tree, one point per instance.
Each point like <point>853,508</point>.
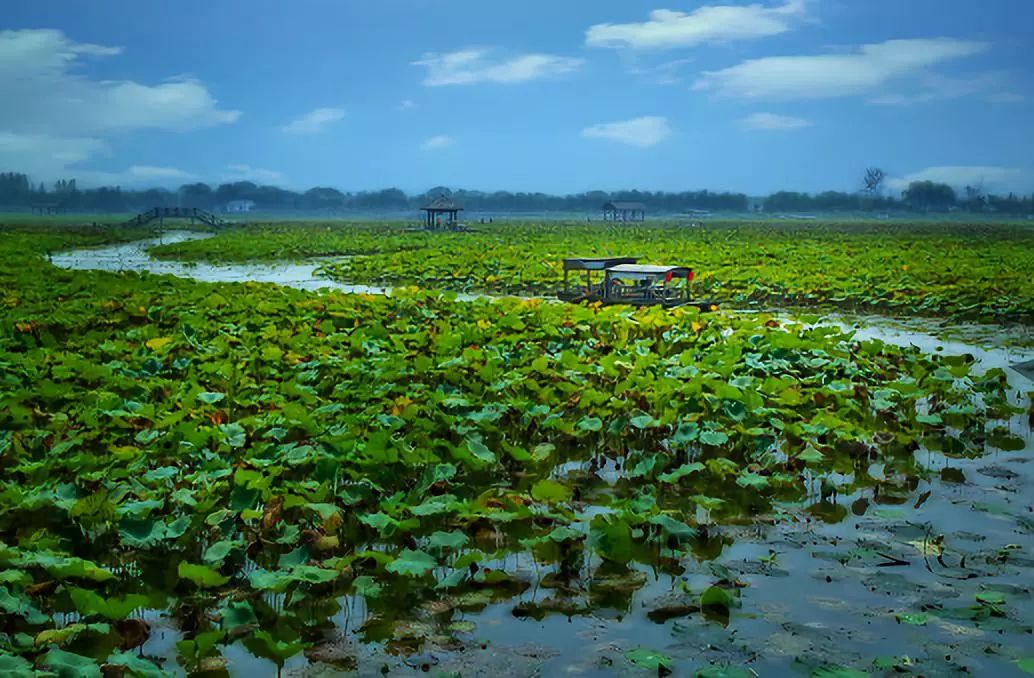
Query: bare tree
<point>874,177</point>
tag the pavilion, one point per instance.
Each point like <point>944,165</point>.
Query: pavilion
<point>441,213</point>
<point>624,211</point>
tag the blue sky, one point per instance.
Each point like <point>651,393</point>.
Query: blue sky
<point>559,96</point>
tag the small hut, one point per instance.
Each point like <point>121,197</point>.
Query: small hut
<point>624,211</point>
<point>441,213</point>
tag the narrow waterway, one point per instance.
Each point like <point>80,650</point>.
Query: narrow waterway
<point>135,256</point>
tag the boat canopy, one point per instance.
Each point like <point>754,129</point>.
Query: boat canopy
<point>646,270</point>
<point>596,263</point>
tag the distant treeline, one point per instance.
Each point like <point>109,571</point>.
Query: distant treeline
<point>17,191</point>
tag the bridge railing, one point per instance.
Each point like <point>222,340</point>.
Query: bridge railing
<point>192,213</point>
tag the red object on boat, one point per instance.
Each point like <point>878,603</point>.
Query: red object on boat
<point>667,278</point>
<point>689,276</point>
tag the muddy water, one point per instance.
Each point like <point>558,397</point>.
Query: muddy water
<point>884,579</point>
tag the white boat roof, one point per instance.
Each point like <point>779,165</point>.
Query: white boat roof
<point>644,268</point>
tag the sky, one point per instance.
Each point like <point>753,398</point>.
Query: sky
<point>561,96</point>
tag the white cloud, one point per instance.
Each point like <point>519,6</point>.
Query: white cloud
<point>315,121</point>
<point>41,153</point>
<point>666,73</point>
<point>935,87</point>
<point>1006,98</point>
<point>990,178</point>
<point>643,132</point>
<point>834,75</point>
<point>406,104</point>
<point>64,117</point>
<point>471,66</point>
<point>240,172</point>
<point>437,142</point>
<point>149,176</point>
<point>137,176</point>
<point>151,172</point>
<point>41,70</point>
<point>668,29</point>
<point>774,122</point>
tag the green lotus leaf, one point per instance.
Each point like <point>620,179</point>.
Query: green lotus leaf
<point>89,603</point>
<point>447,541</point>
<point>590,424</point>
<point>713,438</point>
<point>367,586</point>
<point>69,633</point>
<point>234,435</point>
<point>650,660</point>
<point>135,666</point>
<point>264,644</point>
<point>16,667</point>
<point>217,552</point>
<point>991,598</point>
<point>201,576</point>
<point>681,472</point>
<point>918,619</point>
<point>411,563</point>
<point>237,614</point>
<point>674,528</point>
<point>480,451</point>
<point>69,664</point>
<point>752,480</point>
<point>543,451</point>
<point>550,491</point>
<point>612,538</point>
<point>717,597</point>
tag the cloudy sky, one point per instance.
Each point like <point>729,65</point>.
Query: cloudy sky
<point>557,96</point>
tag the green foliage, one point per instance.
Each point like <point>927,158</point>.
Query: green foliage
<point>650,660</point>
<point>201,575</point>
<point>161,438</point>
<point>972,271</point>
<point>550,491</point>
<point>89,603</point>
<point>412,563</point>
<point>717,598</point>
<point>70,665</point>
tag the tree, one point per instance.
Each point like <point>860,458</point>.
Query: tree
<point>15,188</point>
<point>196,195</point>
<point>238,190</point>
<point>929,195</point>
<point>321,198</point>
<point>975,201</point>
<point>873,181</point>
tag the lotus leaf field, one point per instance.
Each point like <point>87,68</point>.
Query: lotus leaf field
<point>267,477</point>
<point>977,272</point>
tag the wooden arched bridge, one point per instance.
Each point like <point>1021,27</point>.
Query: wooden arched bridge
<point>160,214</point>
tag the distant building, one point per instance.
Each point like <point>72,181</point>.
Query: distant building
<point>755,204</point>
<point>624,211</point>
<point>239,206</point>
